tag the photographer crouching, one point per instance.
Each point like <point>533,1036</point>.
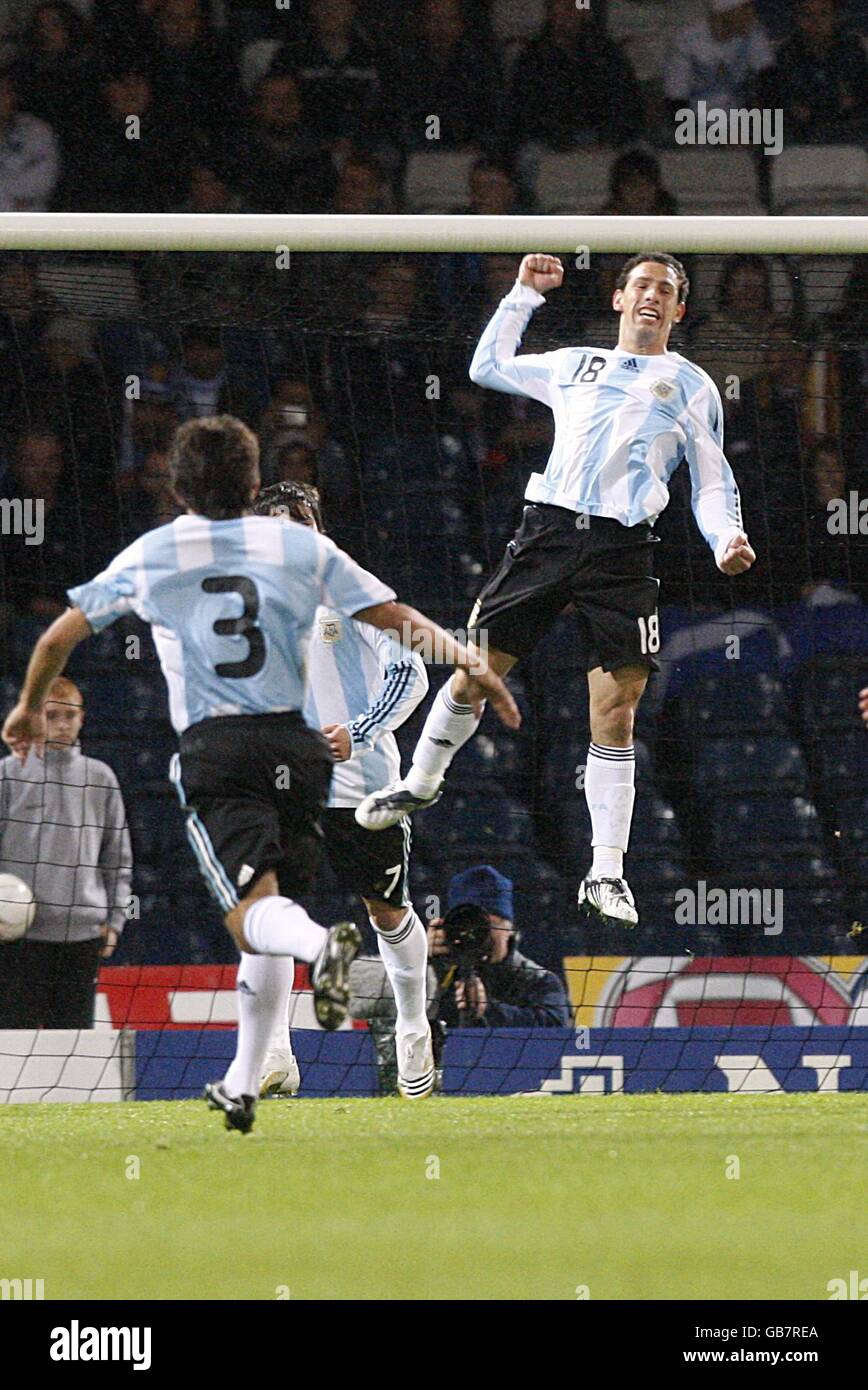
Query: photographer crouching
<point>483,979</point>
<point>476,976</point>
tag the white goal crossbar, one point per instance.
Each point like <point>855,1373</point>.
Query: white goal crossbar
<point>70,231</point>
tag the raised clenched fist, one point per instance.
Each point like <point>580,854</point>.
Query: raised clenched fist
<point>541,272</point>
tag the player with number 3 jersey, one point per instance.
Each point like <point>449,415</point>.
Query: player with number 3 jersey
<point>231,599</point>
<point>625,418</point>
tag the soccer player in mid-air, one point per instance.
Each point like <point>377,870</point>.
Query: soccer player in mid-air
<point>231,599</point>
<point>361,686</point>
<point>625,418</point>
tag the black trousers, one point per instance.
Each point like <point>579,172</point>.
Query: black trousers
<point>47,984</point>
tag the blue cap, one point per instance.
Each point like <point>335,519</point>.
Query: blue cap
<point>484,887</point>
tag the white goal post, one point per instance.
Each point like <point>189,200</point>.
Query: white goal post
<point>65,231</point>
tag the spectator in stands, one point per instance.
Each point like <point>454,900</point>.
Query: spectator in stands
<point>151,501</point>
<point>203,384</point>
<point>133,159</point>
<point>729,343</point>
<point>72,391</point>
<point>336,68</point>
<point>56,67</point>
<point>362,187</point>
<point>291,410</point>
<point>492,190</point>
<point>29,154</point>
<point>449,74</point>
<point>294,461</point>
<point>210,188</point>
<point>820,79</point>
<point>484,982</point>
<point>24,317</point>
<point>572,86</point>
<point>718,58</point>
<point>280,165</point>
<point>149,411</point>
<point>380,375</point>
<point>766,427</point>
<point>63,831</point>
<point>636,187</point>
<point>40,561</point>
<point>193,71</point>
<point>296,443</point>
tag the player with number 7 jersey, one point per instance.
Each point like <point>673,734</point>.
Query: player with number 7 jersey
<point>625,418</point>
<point>361,687</point>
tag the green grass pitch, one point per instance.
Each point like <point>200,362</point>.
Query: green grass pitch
<point>627,1197</point>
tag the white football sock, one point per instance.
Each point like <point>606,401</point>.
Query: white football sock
<point>448,727</point>
<point>280,927</point>
<point>262,989</point>
<point>610,792</point>
<point>404,953</point>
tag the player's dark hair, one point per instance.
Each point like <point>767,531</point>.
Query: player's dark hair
<point>215,466</point>
<point>288,497</point>
<point>656,258</point>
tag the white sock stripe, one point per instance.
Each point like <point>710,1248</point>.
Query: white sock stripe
<point>616,755</point>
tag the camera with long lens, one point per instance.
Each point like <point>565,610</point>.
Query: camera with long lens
<point>468,936</point>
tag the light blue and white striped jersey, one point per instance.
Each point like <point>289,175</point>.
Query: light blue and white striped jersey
<point>231,604</point>
<point>361,677</point>
<point>623,424</point>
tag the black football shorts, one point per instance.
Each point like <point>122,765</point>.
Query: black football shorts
<point>559,557</point>
<point>253,787</point>
<point>374,866</point>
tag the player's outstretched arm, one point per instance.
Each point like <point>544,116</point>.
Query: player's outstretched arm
<point>25,725</point>
<point>407,625</point>
<point>495,364</point>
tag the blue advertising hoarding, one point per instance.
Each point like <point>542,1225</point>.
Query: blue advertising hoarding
<point>588,1061</point>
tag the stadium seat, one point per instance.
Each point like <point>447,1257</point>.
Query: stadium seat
<point>823,281</point>
<point>739,826</point>
<point>487,820</point>
<point>826,692</point>
<point>736,704</point>
<point>844,762</point>
<point>573,182</point>
<point>851,820</point>
<point>436,180</point>
<point>811,178</point>
<point>758,764</point>
<point>712,181</point>
<point>86,288</point>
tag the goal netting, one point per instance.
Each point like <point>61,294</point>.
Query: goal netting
<point>749,848</point>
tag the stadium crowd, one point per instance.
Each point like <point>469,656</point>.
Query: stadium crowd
<point>222,106</point>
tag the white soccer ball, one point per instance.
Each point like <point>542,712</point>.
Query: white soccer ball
<point>17,908</point>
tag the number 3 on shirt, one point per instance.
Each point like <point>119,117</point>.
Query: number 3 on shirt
<point>649,634</point>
